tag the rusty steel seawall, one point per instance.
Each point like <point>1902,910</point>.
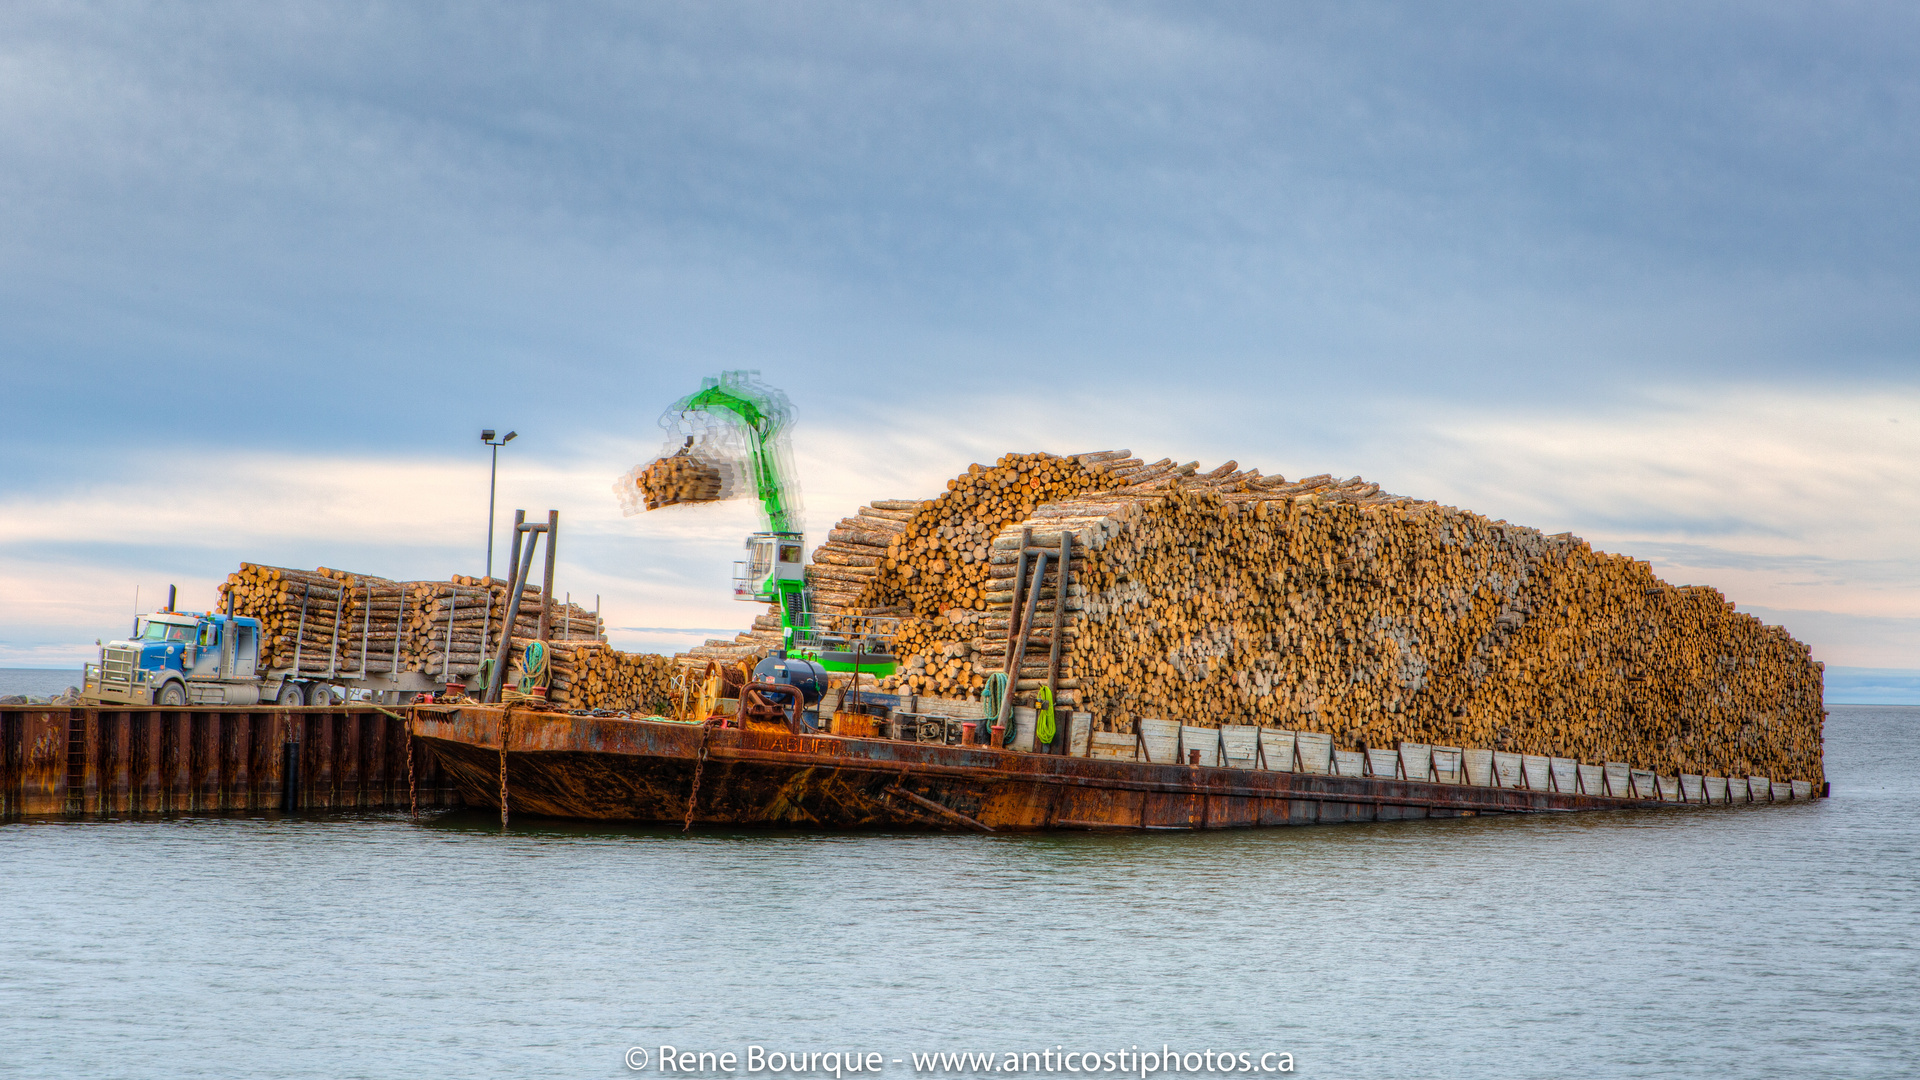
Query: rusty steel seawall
<point>113,762</point>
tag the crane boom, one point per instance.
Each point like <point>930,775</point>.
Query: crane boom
<point>765,422</point>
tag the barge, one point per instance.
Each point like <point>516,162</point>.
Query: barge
<point>650,770</point>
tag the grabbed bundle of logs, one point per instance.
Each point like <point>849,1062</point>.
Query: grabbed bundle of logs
<point>1328,605</point>
<point>680,478</point>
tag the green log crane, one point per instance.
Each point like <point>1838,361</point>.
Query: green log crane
<point>735,421</point>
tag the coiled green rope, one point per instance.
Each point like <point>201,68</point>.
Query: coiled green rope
<point>1043,726</point>
<point>993,696</point>
<point>533,666</point>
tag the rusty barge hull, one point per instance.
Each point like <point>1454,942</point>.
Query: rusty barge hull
<point>618,769</point>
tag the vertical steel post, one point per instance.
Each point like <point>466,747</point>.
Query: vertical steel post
<point>546,582</point>
<point>366,629</point>
<point>290,776</point>
<point>399,632</point>
<point>453,605</point>
<point>1013,626</point>
<point>486,625</point>
<point>513,614</point>
<point>333,647</point>
<point>513,563</point>
<point>300,633</point>
<point>1062,733</point>
<point>513,560</point>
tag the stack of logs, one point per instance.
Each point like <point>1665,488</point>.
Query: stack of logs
<point>849,561</point>
<point>1327,605</point>
<point>680,478</point>
<point>594,676</point>
<point>929,559</point>
<point>475,608</point>
<point>302,614</point>
<point>346,624</point>
<point>326,621</point>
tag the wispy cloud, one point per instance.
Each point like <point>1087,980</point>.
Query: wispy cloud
<point>1798,506</point>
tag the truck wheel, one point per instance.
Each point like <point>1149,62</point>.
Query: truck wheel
<point>291,694</point>
<point>319,694</point>
<point>172,694</point>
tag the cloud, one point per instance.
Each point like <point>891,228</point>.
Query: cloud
<point>1848,640</point>
<point>1798,506</point>
<point>1646,275</point>
<point>1872,686</point>
<point>277,222</point>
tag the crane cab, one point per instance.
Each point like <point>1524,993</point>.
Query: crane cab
<point>773,558</point>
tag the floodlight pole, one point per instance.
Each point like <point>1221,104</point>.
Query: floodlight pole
<point>493,475</point>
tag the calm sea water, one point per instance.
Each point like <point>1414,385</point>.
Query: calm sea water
<point>38,682</point>
<point>1740,942</point>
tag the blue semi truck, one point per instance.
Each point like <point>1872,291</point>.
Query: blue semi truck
<point>206,658</point>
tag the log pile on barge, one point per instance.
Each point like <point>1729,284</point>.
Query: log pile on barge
<point>1228,598</point>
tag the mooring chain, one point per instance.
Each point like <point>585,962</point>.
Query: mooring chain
<point>506,728</point>
<point>699,764</point>
<point>413,795</point>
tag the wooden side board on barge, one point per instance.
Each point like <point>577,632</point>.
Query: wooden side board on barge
<point>621,769</point>
<point>88,762</point>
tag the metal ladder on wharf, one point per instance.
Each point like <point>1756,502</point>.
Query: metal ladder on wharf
<point>77,763</point>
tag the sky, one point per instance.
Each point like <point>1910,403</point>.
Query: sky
<point>1644,272</point>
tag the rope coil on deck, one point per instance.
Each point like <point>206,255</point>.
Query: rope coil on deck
<point>993,699</point>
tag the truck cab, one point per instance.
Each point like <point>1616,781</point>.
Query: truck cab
<point>179,658</point>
